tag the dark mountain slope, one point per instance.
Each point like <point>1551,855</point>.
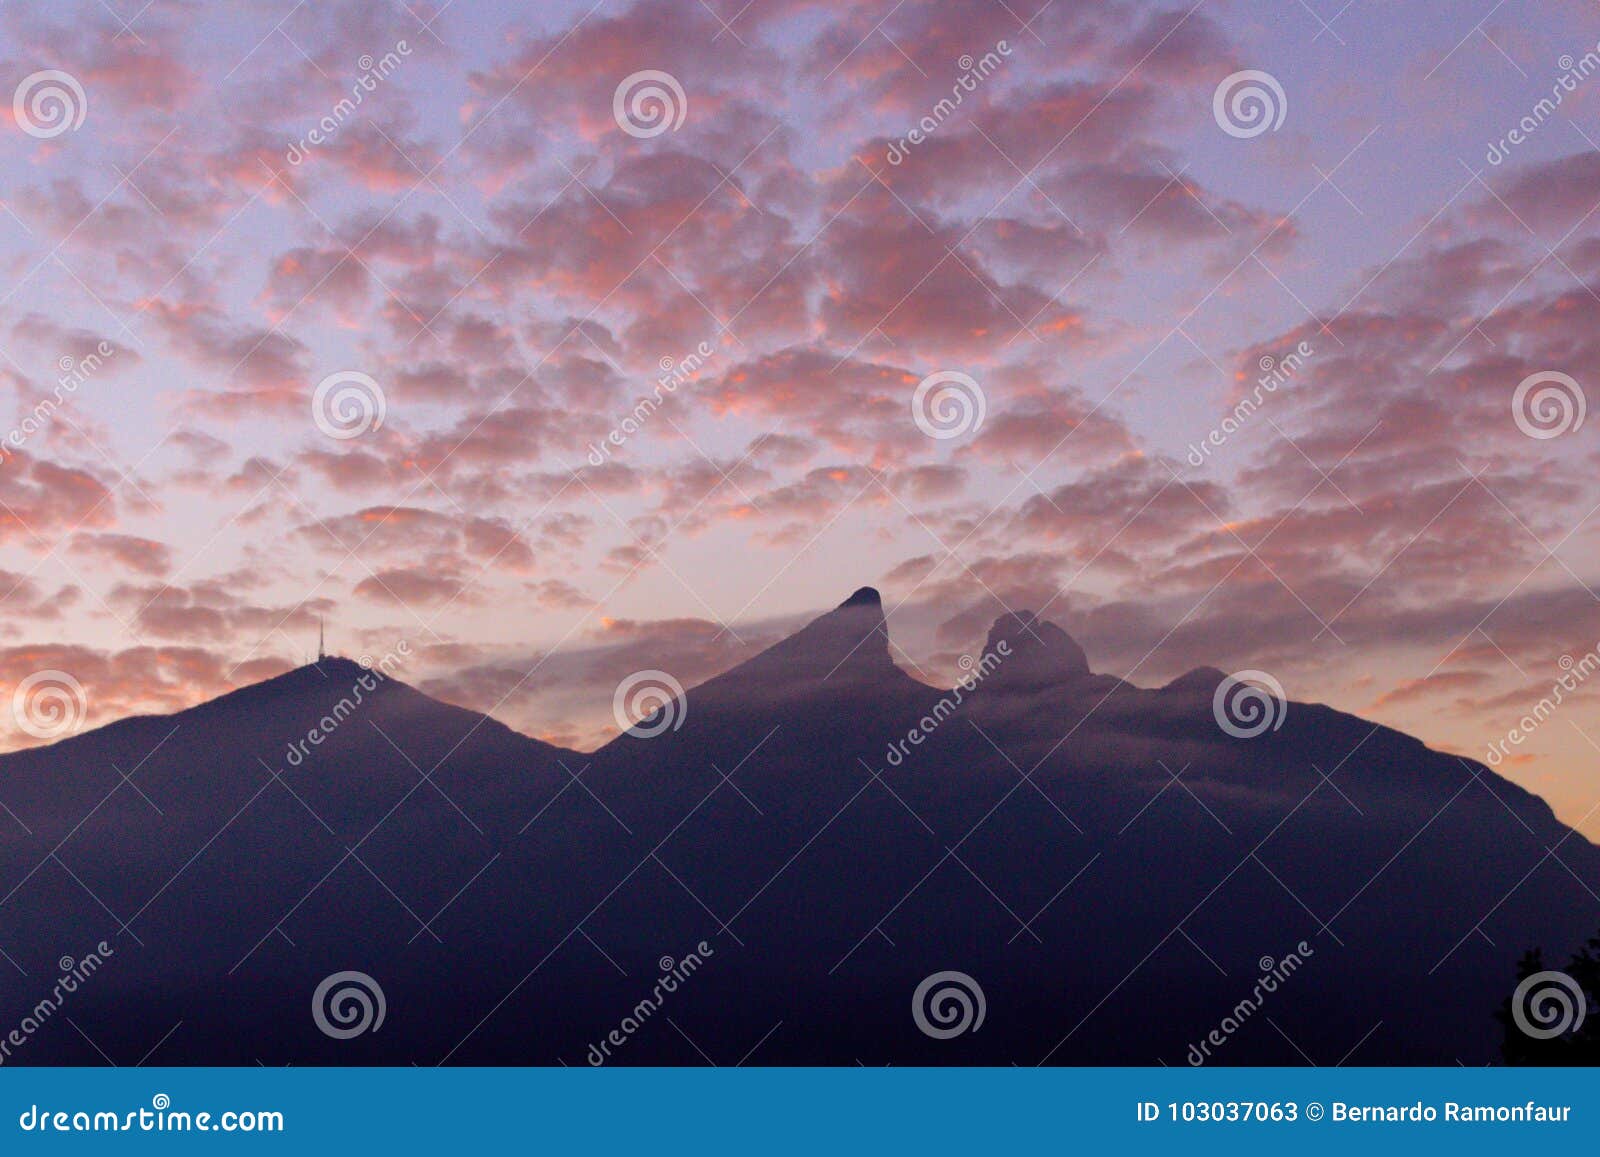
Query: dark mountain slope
<point>1111,865</point>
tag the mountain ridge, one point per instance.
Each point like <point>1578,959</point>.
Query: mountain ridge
<point>835,829</point>
<point>1041,654</point>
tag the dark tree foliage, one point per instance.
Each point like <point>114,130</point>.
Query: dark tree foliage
<point>1580,1046</point>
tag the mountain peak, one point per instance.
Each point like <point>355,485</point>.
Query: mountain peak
<point>864,597</point>
<point>1038,653</point>
<point>329,678</point>
<point>850,640</point>
<point>848,644</point>
<point>328,669</point>
<point>337,665</point>
<point>1202,680</point>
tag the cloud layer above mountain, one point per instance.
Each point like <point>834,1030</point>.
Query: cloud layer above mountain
<point>566,342</point>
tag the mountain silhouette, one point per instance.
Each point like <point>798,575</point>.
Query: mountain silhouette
<point>819,834</point>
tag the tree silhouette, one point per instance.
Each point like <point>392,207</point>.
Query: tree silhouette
<point>1576,1046</point>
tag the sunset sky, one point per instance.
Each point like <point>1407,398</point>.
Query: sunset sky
<point>1081,236</point>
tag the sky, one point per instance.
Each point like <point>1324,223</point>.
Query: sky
<point>536,349</point>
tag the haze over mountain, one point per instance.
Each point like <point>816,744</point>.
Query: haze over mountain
<point>1112,866</point>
